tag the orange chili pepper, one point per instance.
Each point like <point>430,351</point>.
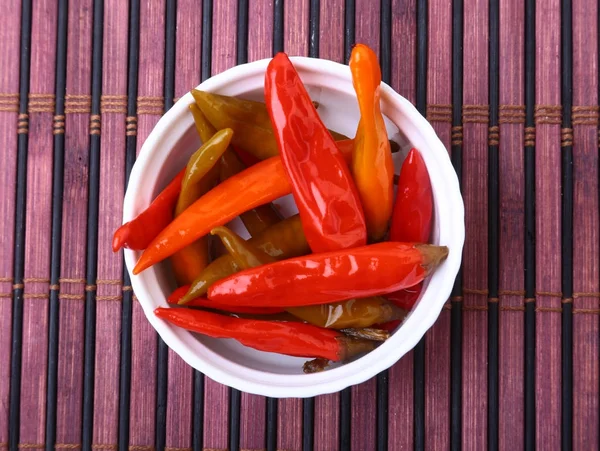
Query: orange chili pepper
<point>372,164</point>
<point>257,185</point>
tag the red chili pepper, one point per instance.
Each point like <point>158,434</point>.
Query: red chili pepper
<point>205,303</point>
<point>412,216</point>
<point>140,231</point>
<point>289,338</point>
<point>327,199</point>
<point>330,277</point>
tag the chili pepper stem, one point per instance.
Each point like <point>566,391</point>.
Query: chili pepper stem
<point>367,333</point>
<point>433,255</point>
<point>315,366</point>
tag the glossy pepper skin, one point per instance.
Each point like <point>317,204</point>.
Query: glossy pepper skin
<point>138,233</point>
<point>354,313</point>
<point>334,276</point>
<point>258,185</point>
<point>372,164</point>
<point>175,297</point>
<point>413,209</point>
<point>412,216</point>
<point>259,218</point>
<point>322,186</point>
<point>282,240</point>
<point>289,338</point>
<point>249,120</point>
<point>200,176</point>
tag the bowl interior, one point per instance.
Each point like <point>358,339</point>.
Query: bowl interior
<point>166,151</point>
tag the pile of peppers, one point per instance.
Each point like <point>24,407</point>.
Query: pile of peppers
<point>329,283</point>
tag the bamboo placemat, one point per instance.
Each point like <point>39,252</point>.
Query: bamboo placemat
<point>511,87</point>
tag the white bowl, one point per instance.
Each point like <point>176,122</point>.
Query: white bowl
<point>166,151</point>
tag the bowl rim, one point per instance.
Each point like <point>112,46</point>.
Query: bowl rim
<point>302,385</point>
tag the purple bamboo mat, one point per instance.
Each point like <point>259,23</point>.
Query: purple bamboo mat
<point>511,88</point>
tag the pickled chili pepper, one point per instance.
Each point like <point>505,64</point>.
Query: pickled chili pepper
<point>138,233</point>
<point>413,209</point>
<point>259,218</point>
<point>372,164</point>
<point>256,219</point>
<point>289,338</point>
<point>354,313</point>
<point>334,276</point>
<point>175,297</point>
<point>249,120</point>
<point>282,240</point>
<point>412,216</point>
<point>255,186</point>
<point>200,176</point>
<point>322,186</point>
<point>244,254</point>
<point>258,185</point>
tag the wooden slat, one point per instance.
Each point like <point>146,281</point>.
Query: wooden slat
<point>260,26</point>
<point>437,363</point>
<point>511,362</point>
<point>37,236</point>
<point>112,178</point>
<point>144,339</point>
<point>180,375</point>
<point>548,257</point>
<point>586,227</point>
<point>289,424</point>
<point>71,314</point>
<point>475,77</point>
<point>9,87</point>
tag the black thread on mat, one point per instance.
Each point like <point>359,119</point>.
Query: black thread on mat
<point>89,352</point>
<point>19,249</point>
<point>385,61</point>
<point>419,351</point>
<point>567,228</point>
<point>56,232</point>
<point>346,394</point>
<point>206,45</point>
<point>278,26</point>
<point>314,17</point>
<point>162,354</point>
<point>130,153</point>
<point>205,72</point>
<point>308,404</point>
<point>345,418</point>
<point>493,228</point>
<point>308,424</point>
<point>272,409</point>
<point>235,401</point>
<point>242,32</point>
<point>456,312</point>
<point>349,28</point>
<point>530,228</point>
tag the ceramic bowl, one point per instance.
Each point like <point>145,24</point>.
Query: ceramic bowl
<point>166,151</point>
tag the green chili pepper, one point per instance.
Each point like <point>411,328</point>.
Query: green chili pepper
<point>249,120</point>
<point>282,240</point>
